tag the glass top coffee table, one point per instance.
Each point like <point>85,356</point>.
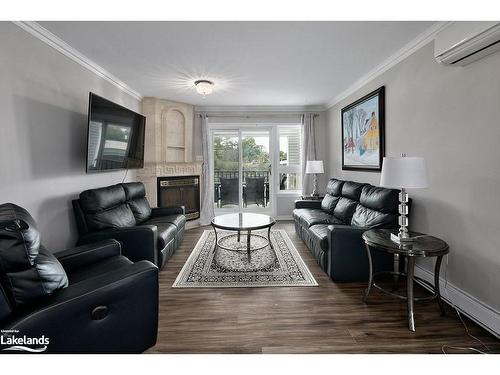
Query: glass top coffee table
<point>243,222</point>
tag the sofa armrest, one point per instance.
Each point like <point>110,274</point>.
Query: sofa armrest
<point>137,243</point>
<point>85,255</point>
<point>96,315</point>
<point>165,211</point>
<point>348,260</point>
<point>307,204</point>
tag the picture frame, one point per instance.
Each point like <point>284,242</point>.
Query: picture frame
<point>363,133</point>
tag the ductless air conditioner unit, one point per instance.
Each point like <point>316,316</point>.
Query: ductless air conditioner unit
<point>461,43</point>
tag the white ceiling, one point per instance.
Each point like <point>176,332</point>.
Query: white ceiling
<point>251,63</point>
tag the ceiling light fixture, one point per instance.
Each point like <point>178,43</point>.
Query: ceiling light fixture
<point>204,87</point>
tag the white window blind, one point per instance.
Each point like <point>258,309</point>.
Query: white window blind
<point>290,157</point>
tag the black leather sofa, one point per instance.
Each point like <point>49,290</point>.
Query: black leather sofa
<point>122,212</point>
<point>88,299</point>
<point>332,228</point>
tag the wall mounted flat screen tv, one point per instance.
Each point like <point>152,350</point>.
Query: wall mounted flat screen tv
<point>115,136</point>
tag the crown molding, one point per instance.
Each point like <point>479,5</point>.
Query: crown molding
<point>61,46</point>
<point>262,109</point>
<point>411,47</point>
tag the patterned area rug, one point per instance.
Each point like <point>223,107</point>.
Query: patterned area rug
<point>282,266</point>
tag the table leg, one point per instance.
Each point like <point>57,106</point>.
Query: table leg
<point>370,273</point>
<point>409,292</point>
<point>269,238</point>
<point>395,278</point>
<point>215,246</point>
<point>239,236</point>
<point>248,245</point>
<point>437,270</point>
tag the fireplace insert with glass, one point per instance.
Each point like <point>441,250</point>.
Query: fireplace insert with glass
<point>180,191</point>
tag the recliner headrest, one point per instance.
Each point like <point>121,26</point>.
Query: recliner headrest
<point>352,190</point>
<point>380,199</point>
<point>11,211</point>
<point>334,187</point>
<point>96,200</point>
<point>27,270</point>
<point>134,190</point>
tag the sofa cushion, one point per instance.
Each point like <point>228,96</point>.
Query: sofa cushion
<point>298,212</point>
<point>135,194</point>
<point>312,217</point>
<point>367,218</point>
<point>28,271</point>
<point>329,202</point>
<point>134,190</point>
<point>42,279</point>
<point>352,190</point>
<point>166,234</point>
<point>334,187</point>
<point>319,234</point>
<point>117,217</point>
<point>5,306</point>
<point>96,200</point>
<point>140,209</point>
<point>178,220</point>
<point>345,209</point>
<point>380,199</point>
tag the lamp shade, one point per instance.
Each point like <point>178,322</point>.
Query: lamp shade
<point>314,166</point>
<point>404,172</point>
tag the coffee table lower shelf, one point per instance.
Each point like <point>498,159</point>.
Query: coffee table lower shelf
<point>249,235</point>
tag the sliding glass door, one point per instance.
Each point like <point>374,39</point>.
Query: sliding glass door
<point>226,167</point>
<point>256,169</point>
<point>242,160</point>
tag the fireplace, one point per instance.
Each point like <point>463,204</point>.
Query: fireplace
<point>180,191</point>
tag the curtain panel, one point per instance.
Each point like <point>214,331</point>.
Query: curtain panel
<point>309,150</point>
<point>207,203</point>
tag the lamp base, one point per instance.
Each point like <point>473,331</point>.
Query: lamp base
<point>315,186</point>
<point>398,238</point>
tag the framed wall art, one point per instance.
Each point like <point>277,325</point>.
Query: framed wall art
<point>363,126</point>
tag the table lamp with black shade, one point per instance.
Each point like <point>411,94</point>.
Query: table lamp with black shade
<point>403,173</point>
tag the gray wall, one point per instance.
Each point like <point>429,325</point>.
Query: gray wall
<point>450,116</point>
<point>43,129</point>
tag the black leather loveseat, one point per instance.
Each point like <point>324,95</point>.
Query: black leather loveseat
<point>88,299</point>
<point>122,212</point>
<point>332,228</point>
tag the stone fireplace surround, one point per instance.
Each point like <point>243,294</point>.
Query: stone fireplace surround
<point>168,145</point>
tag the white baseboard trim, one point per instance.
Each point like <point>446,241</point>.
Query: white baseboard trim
<point>285,217</point>
<point>192,224</point>
<point>484,315</point>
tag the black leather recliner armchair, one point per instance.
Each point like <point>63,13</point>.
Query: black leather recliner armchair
<point>122,212</point>
<point>89,299</point>
<point>332,228</point>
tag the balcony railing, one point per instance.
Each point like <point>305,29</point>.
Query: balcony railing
<point>234,174</point>
<point>231,197</point>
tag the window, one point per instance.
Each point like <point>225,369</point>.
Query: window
<point>290,158</point>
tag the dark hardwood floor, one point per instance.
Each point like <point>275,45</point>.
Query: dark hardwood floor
<point>329,318</point>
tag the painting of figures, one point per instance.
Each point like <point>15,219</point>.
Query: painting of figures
<point>363,133</point>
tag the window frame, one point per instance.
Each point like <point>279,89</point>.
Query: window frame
<point>289,168</point>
